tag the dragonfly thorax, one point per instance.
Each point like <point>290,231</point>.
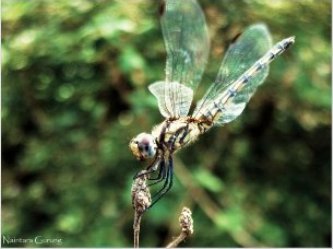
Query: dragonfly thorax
<point>172,135</point>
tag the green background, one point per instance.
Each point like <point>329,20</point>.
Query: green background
<point>74,92</point>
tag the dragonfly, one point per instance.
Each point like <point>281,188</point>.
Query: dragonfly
<point>244,67</point>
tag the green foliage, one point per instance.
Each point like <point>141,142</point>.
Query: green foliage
<point>74,92</point>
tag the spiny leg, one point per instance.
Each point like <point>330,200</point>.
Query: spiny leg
<point>158,195</point>
<point>167,185</point>
<point>150,169</point>
<point>166,181</point>
<point>161,175</point>
<point>160,169</point>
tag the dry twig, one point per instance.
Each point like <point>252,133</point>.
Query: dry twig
<point>141,200</point>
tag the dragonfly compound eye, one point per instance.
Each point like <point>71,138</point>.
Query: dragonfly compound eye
<point>143,146</point>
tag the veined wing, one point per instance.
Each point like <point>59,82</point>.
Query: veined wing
<point>226,99</point>
<point>187,44</point>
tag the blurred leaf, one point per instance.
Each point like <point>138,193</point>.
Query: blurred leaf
<point>207,180</point>
<point>130,60</point>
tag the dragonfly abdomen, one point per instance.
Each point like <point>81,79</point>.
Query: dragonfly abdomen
<point>278,49</point>
<point>263,62</point>
<point>217,107</point>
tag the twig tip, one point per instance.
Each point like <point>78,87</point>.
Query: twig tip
<point>186,221</point>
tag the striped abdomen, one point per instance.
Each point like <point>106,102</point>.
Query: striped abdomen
<point>278,49</point>
<point>224,104</point>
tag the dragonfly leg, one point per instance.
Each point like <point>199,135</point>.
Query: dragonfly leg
<point>141,173</point>
<point>161,175</point>
<point>150,169</point>
<point>167,184</point>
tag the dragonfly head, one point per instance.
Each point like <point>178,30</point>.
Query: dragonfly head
<point>143,146</point>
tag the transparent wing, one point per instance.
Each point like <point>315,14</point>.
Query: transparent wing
<point>187,44</point>
<point>226,98</point>
<point>181,105</point>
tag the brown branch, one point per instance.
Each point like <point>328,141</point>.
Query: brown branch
<point>136,228</point>
<point>141,200</point>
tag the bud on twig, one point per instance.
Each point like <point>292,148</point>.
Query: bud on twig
<point>186,221</point>
<point>186,225</point>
